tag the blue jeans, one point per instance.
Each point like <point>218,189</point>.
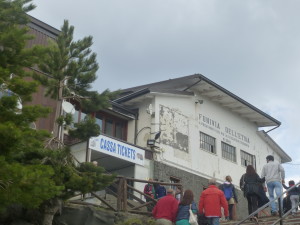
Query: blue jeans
<point>213,220</point>
<point>277,187</point>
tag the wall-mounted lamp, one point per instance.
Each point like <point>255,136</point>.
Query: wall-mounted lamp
<point>151,142</point>
<point>200,101</point>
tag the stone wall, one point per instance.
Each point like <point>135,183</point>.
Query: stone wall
<point>195,183</point>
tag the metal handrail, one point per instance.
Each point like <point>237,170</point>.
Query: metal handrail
<point>269,203</point>
<point>285,215</point>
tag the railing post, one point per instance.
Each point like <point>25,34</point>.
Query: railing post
<point>120,195</point>
<point>280,210</point>
<point>124,194</point>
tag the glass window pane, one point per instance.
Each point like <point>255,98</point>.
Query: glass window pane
<point>247,159</point>
<point>82,116</point>
<point>119,130</point>
<point>207,143</point>
<point>109,127</point>
<point>99,121</point>
<point>76,117</point>
<point>228,152</point>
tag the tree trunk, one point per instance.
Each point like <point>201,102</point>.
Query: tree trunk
<point>48,219</point>
<point>50,209</point>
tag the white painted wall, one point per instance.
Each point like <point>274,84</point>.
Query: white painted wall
<point>196,160</point>
<point>145,129</point>
<point>143,173</point>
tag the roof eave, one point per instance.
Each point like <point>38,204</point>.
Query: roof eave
<point>203,78</point>
<point>283,155</point>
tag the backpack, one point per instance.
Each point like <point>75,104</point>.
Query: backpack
<point>228,191</point>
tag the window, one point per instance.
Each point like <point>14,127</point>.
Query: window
<point>177,189</point>
<point>207,143</point>
<point>82,116</point>
<point>112,126</point>
<point>228,152</point>
<point>78,116</point>
<point>109,127</point>
<point>247,159</point>
<point>99,121</point>
<point>174,180</point>
<point>119,130</point>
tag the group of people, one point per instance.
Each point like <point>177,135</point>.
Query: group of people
<point>169,210</point>
<point>155,191</point>
<point>273,176</point>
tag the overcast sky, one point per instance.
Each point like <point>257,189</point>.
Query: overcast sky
<point>249,47</point>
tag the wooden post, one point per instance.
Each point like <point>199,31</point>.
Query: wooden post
<point>124,194</point>
<point>120,195</point>
<point>234,212</point>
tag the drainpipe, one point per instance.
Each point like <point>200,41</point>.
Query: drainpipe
<point>272,129</point>
<point>136,125</point>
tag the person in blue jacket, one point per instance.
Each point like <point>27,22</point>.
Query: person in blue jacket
<point>160,191</point>
<point>183,213</point>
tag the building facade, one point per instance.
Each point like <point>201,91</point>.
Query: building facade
<point>185,130</point>
<point>205,131</point>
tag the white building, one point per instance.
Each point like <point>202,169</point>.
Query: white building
<point>205,131</point>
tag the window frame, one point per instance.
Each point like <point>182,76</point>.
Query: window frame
<point>106,117</point>
<point>227,151</point>
<point>204,142</point>
<point>244,153</point>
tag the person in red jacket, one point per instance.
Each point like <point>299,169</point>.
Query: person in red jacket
<point>211,201</point>
<point>166,208</point>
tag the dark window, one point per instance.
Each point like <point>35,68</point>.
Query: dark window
<point>247,159</point>
<point>177,189</point>
<point>119,130</point>
<point>112,126</point>
<point>99,121</point>
<point>228,152</point>
<point>109,127</point>
<point>207,143</point>
<point>174,180</point>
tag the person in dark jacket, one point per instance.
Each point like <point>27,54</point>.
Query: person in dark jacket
<point>293,195</point>
<point>183,213</point>
<point>262,200</point>
<point>160,191</point>
<point>250,183</point>
<point>232,198</point>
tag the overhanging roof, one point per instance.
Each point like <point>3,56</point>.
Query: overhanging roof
<point>198,83</point>
<point>284,157</point>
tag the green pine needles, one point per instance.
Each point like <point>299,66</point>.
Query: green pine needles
<point>32,176</point>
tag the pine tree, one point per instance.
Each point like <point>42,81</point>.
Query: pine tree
<point>31,176</point>
<point>72,67</point>
<point>23,174</point>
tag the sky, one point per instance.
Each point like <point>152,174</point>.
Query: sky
<point>249,47</point>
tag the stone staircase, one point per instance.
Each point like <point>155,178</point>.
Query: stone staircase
<point>269,220</point>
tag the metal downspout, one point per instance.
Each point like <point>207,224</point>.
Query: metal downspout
<point>272,129</point>
<point>136,126</point>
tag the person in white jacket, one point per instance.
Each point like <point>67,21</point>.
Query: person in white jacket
<point>274,174</point>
